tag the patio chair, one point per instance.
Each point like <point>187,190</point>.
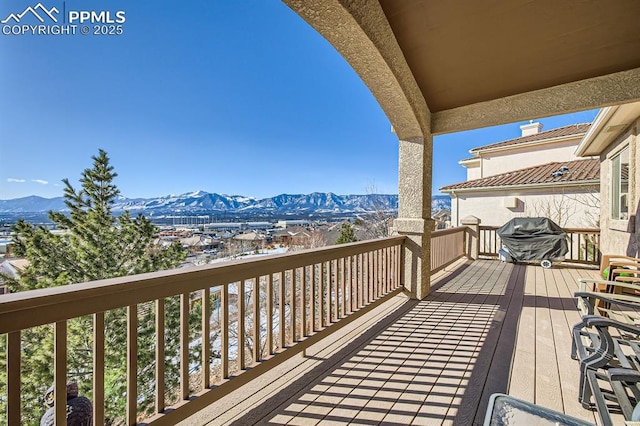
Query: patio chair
<point>615,290</point>
<point>609,363</point>
<point>610,262</point>
<point>611,353</point>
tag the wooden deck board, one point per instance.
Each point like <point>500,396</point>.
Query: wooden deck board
<point>522,383</point>
<point>487,327</point>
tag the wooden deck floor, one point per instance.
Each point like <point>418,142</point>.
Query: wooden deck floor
<point>486,327</point>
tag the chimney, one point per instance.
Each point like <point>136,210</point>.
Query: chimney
<point>531,128</point>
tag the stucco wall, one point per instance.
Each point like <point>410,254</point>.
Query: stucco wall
<point>621,236</point>
<point>505,161</point>
<point>571,208</point>
<point>473,172</point>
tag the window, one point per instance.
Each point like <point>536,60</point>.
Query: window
<point>620,185</point>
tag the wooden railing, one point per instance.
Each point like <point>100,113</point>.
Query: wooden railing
<point>490,242</point>
<point>447,246</point>
<point>584,244</point>
<point>253,315</point>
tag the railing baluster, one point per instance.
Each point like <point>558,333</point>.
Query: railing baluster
<point>354,283</point>
<point>380,272</point>
<point>312,314</point>
<point>571,246</point>
<point>292,305</point>
<point>159,388</point>
<point>269,296</point>
<point>348,288</point>
<point>98,368</point>
<point>388,268</point>
<point>394,267</point>
<point>184,346</point>
<point>60,372</point>
<point>371,270</point>
<point>369,267</point>
<point>399,266</point>
<point>322,273</point>
<point>377,263</point>
<point>206,338</point>
<point>256,321</point>
<point>132,364</point>
<point>281,324</point>
<point>334,289</point>
<point>303,304</point>
<point>360,280</point>
<point>329,292</point>
<point>14,349</point>
<point>224,325</point>
<point>241,329</point>
<point>579,246</point>
<point>343,298</point>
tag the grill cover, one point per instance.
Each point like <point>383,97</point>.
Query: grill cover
<point>533,238</point>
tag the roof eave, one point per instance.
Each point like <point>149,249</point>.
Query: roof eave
<point>469,161</point>
<point>477,151</point>
<point>523,186</point>
<point>603,130</point>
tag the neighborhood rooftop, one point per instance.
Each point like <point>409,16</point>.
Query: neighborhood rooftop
<point>570,130</point>
<point>578,171</point>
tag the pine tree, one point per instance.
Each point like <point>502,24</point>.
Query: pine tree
<point>94,244</point>
<point>347,234</point>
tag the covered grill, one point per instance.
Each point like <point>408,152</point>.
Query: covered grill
<point>534,239</point>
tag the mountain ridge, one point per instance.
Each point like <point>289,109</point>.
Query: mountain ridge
<point>202,202</point>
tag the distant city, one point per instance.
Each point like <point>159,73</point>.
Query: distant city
<point>213,227</point>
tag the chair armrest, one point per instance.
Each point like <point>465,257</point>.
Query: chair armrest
<point>590,298</point>
<point>624,375</point>
<point>627,267</point>
<point>624,263</point>
<point>602,322</point>
<point>584,281</point>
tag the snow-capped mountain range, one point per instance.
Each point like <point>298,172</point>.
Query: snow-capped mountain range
<point>204,202</point>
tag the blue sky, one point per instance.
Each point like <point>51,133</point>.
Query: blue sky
<point>235,97</point>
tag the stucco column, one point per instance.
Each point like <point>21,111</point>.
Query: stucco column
<point>473,236</point>
<point>414,212</point>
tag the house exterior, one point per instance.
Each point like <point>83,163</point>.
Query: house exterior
<point>615,138</point>
<point>293,236</point>
<point>442,219</point>
<point>11,268</point>
<point>514,178</point>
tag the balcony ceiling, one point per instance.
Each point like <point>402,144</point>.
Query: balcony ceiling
<point>446,66</point>
<point>463,52</point>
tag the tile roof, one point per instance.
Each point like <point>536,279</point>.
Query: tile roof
<point>572,129</point>
<point>579,171</point>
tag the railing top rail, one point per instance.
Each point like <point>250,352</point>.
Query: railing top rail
<point>70,301</point>
<point>575,230</point>
<point>583,230</point>
<point>440,232</point>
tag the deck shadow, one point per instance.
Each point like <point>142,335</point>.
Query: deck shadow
<point>323,370</point>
